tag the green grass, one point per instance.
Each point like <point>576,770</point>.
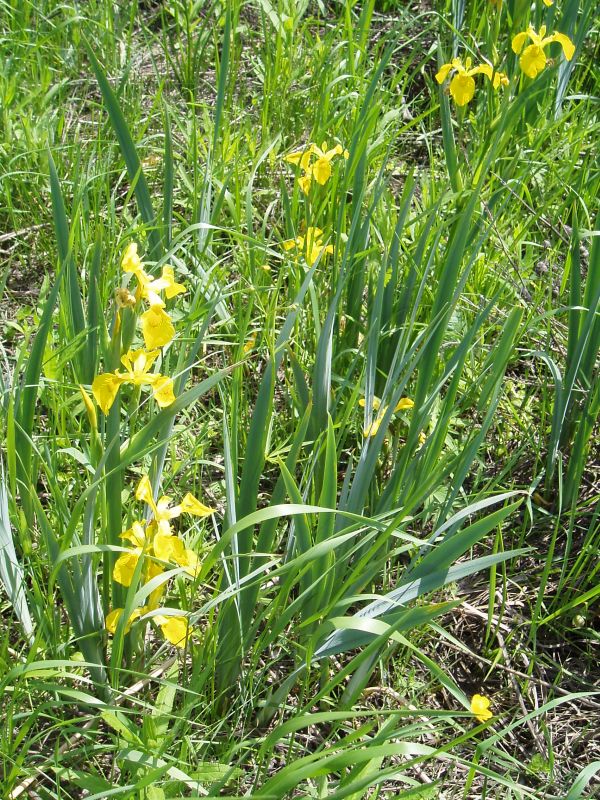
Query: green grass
<point>353,591</point>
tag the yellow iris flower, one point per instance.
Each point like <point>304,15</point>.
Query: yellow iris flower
<point>137,365</point>
<point>311,245</point>
<point>462,85</point>
<point>176,630</point>
<point>320,169</point>
<point>148,287</point>
<point>533,59</point>
<point>480,706</point>
<point>371,428</point>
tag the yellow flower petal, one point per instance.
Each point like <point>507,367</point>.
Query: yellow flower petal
<point>136,535</point>
<point>191,505</point>
<point>548,2</point>
<point>89,407</point>
<point>533,60</point>
<point>172,289</point>
<point>480,706</point>
<point>376,403</point>
<point>144,494</point>
<point>519,40</point>
<point>168,548</point>
<point>304,182</point>
<point>249,345</point>
<point>443,73</point>
<point>175,629</point>
<point>157,328</point>
<point>112,619</point>
<point>162,389</point>
<point>191,562</point>
<point>125,566</point>
<point>403,404</point>
<point>462,89</point>
<point>373,428</point>
<point>321,170</point>
<point>299,157</point>
<point>131,262</point>
<point>152,570</point>
<point>105,388</point>
<point>497,78</point>
<point>566,44</point>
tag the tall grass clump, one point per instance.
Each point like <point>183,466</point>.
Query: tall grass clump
<point>299,484</point>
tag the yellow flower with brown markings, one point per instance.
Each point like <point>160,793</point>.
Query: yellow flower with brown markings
<point>533,58</point>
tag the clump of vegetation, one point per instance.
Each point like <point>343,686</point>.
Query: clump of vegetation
<point>299,485</point>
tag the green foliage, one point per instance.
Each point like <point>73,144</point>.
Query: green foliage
<point>382,413</point>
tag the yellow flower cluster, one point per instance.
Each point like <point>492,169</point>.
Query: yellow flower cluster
<point>462,85</point>
<point>157,541</point>
<point>532,61</point>
<point>157,330</point>
<point>371,429</point>
<point>320,169</point>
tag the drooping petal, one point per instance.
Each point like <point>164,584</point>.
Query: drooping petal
<point>497,78</point>
<point>157,328</point>
<point>125,566</point>
<point>105,388</point>
<point>443,73</point>
<point>519,40</point>
<point>300,157</point>
<point>163,391</point>
<point>321,170</point>
<point>191,505</point>
<point>462,89</point>
<point>548,2</point>
<point>533,60</point>
<point>112,619</point>
<point>289,244</point>
<point>175,629</point>
<point>566,44</point>
<point>404,404</point>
